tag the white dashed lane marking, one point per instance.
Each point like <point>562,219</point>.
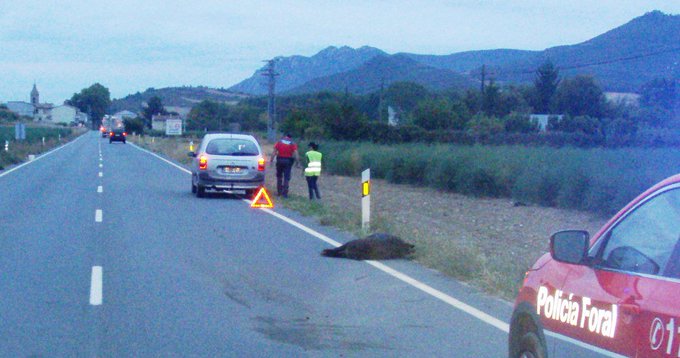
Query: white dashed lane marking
<point>100,189</point>
<point>101,174</point>
<point>98,215</point>
<point>96,286</point>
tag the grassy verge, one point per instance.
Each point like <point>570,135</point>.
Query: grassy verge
<point>19,150</point>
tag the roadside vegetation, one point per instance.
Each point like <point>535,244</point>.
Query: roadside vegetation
<point>19,150</point>
<point>598,180</point>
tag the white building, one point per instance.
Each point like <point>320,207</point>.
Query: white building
<point>65,114</point>
<point>21,108</point>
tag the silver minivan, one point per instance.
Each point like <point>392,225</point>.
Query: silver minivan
<point>227,162</point>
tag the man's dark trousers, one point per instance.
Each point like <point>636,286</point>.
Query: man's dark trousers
<point>283,167</point>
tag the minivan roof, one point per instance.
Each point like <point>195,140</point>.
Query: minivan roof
<point>228,135</point>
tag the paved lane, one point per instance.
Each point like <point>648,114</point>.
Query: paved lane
<point>183,276</point>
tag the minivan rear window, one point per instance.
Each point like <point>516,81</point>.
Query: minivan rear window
<point>230,146</point>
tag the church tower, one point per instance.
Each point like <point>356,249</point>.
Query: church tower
<point>35,96</point>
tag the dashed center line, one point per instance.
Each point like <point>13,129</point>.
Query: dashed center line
<point>98,215</point>
<point>96,286</point>
<point>101,165</point>
<point>101,174</point>
<point>100,189</point>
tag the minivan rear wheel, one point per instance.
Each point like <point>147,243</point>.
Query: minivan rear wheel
<point>200,191</point>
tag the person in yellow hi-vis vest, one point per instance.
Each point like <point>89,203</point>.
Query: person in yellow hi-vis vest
<point>313,170</point>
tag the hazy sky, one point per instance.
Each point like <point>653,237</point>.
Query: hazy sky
<point>130,45</point>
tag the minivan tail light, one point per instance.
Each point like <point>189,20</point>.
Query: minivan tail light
<point>111,134</point>
<point>260,164</point>
<point>203,163</point>
<point>124,134</point>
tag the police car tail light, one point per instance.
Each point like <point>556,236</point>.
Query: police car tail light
<point>260,164</point>
<point>203,163</point>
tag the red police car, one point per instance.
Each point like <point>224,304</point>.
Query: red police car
<point>616,294</point>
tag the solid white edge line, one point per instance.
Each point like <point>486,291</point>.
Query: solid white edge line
<point>96,286</point>
<point>98,215</point>
<point>482,316</point>
<point>42,156</point>
<point>161,158</point>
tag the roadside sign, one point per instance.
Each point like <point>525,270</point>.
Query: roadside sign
<point>173,127</point>
<point>20,131</point>
<point>262,200</point>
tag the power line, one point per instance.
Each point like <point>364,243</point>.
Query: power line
<point>271,74</point>
<point>598,63</point>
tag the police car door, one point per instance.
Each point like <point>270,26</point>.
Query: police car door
<point>657,330</point>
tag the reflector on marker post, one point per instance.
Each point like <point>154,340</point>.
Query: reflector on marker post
<point>262,200</point>
<point>366,199</point>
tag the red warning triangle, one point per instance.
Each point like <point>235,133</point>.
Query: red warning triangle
<point>262,200</point>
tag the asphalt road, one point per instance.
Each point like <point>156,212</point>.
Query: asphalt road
<point>182,276</point>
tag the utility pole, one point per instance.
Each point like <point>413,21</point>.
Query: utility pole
<point>271,74</point>
<point>483,77</point>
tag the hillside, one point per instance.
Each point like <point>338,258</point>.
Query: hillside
<point>295,71</point>
<point>622,59</point>
<point>369,77</point>
<point>185,96</point>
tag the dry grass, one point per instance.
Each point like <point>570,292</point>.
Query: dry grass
<point>487,242</point>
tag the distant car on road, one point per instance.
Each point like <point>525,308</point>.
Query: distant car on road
<point>227,162</point>
<point>117,135</point>
<point>618,292</point>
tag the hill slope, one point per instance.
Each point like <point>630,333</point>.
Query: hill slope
<point>294,71</point>
<point>174,96</point>
<point>369,77</point>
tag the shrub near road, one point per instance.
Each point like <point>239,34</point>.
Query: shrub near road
<point>598,180</point>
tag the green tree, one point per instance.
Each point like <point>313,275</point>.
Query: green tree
<point>545,85</point>
<point>206,115</point>
<point>658,101</point>
<point>94,100</point>
<point>434,114</point>
<point>154,106</point>
<point>580,96</point>
<point>491,99</point>
<point>405,95</point>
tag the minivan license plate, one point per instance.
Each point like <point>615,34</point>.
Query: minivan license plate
<point>232,170</point>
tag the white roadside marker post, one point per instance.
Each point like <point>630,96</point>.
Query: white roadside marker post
<point>6,145</point>
<point>43,141</point>
<point>366,200</point>
<point>191,146</point>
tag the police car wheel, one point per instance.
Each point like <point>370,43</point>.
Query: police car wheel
<point>531,347</point>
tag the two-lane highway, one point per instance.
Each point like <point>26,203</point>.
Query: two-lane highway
<point>129,263</point>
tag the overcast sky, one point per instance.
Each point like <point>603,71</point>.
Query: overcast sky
<point>130,45</point>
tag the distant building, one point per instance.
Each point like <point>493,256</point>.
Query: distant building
<point>21,108</point>
<point>41,111</point>
<point>158,121</point>
<point>67,114</point>
<point>544,119</point>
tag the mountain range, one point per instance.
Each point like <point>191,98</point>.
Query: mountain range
<point>621,59</point>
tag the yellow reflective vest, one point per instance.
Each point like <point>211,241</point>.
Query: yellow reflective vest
<point>314,163</point>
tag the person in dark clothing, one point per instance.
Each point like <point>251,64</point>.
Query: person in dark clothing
<point>313,170</point>
<point>286,154</point>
